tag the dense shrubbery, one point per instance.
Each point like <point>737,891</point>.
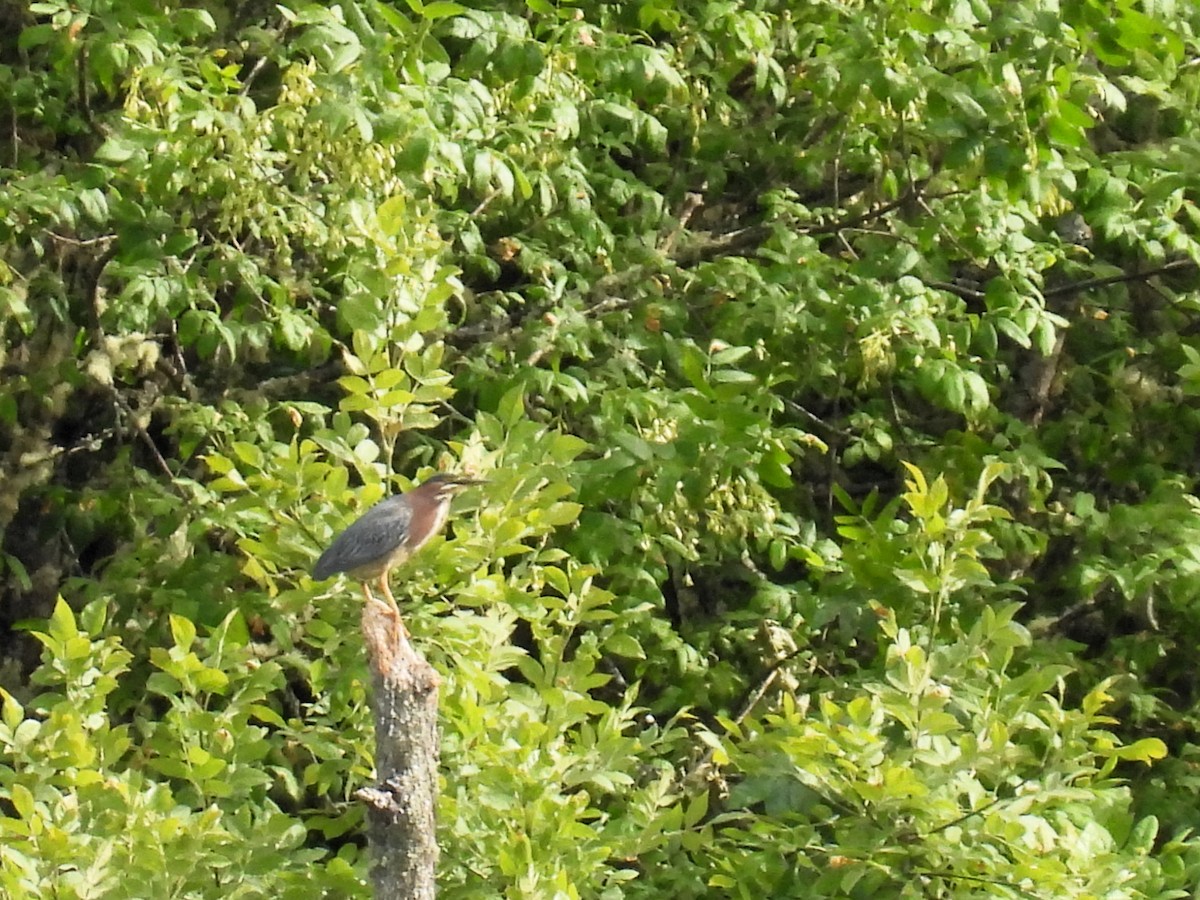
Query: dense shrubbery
<point>834,369</point>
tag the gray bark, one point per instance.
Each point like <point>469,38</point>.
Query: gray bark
<point>401,806</point>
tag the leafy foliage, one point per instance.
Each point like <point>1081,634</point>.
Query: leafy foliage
<point>834,373</point>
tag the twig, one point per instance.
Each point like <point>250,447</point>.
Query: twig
<point>764,683</point>
<point>141,432</point>
<point>743,238</point>
<point>691,202</point>
<point>261,62</point>
<point>97,338</point>
<point>14,137</point>
<point>252,74</point>
<point>722,245</point>
<point>485,202</point>
<point>85,102</point>
<point>955,876</point>
<point>957,289</point>
<point>1080,286</point>
<point>972,813</point>
<point>1074,288</point>
<point>813,417</point>
<point>93,294</point>
<point>1047,370</point>
<point>752,699</point>
<point>75,242</point>
<point>87,444</point>
<point>300,383</point>
<point>946,232</point>
<point>452,413</point>
<point>883,209</point>
<point>177,367</point>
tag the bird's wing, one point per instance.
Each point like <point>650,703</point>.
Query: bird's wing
<point>377,533</point>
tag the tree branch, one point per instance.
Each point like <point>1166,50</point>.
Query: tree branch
<point>1080,286</point>
<point>604,296</point>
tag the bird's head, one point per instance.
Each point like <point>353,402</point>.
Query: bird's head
<point>445,485</point>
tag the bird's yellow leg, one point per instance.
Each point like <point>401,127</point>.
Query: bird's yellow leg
<point>387,592</point>
<point>371,598</point>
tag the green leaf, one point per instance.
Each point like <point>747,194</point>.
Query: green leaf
<point>391,214</point>
<point>977,397</point>
<point>94,204</point>
<point>731,376</point>
<point>183,632</point>
<point>557,579</point>
<point>1142,839</point>
<point>561,513</point>
<point>1045,337</point>
<point>693,365</point>
<point>441,10</point>
<point>511,408</point>
<point>116,151</point>
<point>696,810</point>
<point>623,644</point>
<point>727,356</point>
<point>248,453</point>
<point>566,447</point>
<point>1145,750</point>
<point>211,680</point>
<point>62,625</point>
<point>22,801</point>
<point>11,712</point>
<point>93,617</point>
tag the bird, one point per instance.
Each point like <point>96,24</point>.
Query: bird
<point>389,533</point>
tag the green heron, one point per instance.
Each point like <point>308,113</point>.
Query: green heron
<point>390,532</point>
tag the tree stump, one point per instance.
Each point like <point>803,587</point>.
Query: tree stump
<point>402,805</point>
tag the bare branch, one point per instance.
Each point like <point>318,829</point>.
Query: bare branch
<point>1081,286</point>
